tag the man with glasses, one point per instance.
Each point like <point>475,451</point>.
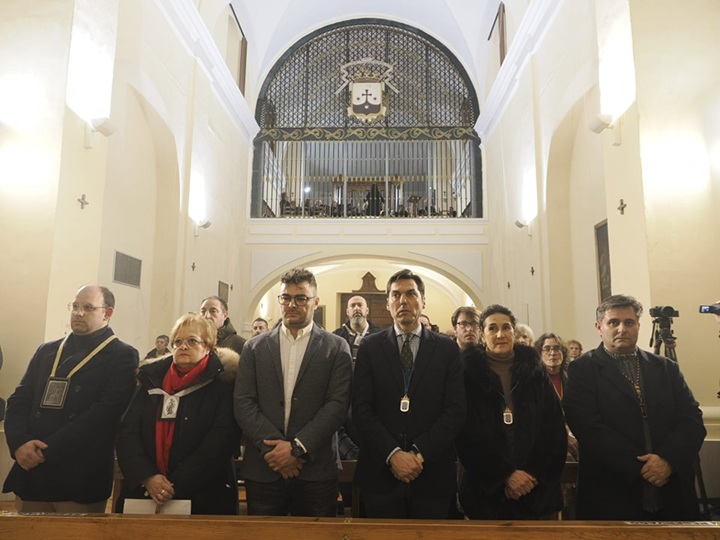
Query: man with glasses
<point>466,323</point>
<point>215,309</point>
<point>291,395</point>
<point>63,417</point>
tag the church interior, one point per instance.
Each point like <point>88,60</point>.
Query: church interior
<point>537,154</point>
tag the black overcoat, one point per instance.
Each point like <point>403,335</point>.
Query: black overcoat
<point>540,439</point>
<point>604,414</point>
<point>205,439</point>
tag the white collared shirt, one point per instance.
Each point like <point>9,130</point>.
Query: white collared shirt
<point>292,351</point>
<point>414,341</point>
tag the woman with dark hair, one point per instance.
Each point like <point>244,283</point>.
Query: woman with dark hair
<point>179,435</point>
<point>554,354</point>
<point>512,447</point>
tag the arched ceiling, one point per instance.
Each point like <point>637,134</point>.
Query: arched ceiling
<point>273,25</point>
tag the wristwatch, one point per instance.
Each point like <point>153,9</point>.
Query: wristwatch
<point>296,450</point>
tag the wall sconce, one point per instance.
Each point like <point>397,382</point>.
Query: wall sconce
<point>522,224</point>
<point>102,125</point>
<point>205,224</point>
<point>601,122</point>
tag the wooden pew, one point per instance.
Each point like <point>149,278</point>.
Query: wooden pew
<point>569,476</point>
<point>113,526</point>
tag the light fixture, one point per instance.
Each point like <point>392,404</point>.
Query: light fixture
<point>205,224</point>
<point>600,122</point>
<point>102,125</point>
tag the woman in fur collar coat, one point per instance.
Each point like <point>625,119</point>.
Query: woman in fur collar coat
<point>179,436</point>
<point>512,447</point>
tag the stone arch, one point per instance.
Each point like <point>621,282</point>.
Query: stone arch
<point>447,287</point>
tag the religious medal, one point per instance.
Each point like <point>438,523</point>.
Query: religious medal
<point>169,407</point>
<point>507,416</point>
<point>405,404</point>
<point>55,392</point>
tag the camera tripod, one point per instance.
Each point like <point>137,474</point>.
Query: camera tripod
<point>662,335</point>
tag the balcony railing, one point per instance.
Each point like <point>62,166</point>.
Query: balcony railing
<point>367,179</point>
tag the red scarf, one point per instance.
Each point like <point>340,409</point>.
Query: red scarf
<point>556,379</point>
<point>173,382</point>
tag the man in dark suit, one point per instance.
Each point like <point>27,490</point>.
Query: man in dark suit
<point>637,423</point>
<point>292,393</point>
<point>408,406</point>
<point>64,415</point>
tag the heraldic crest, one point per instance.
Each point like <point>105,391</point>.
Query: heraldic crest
<point>367,79</point>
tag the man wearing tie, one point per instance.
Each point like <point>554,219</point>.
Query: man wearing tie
<point>408,406</point>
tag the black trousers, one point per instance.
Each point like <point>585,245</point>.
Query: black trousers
<point>401,502</point>
<point>293,497</point>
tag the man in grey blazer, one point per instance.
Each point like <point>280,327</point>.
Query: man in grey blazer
<point>291,395</point>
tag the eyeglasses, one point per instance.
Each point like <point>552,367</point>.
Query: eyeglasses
<point>551,348</point>
<point>467,324</point>
<point>74,307</point>
<point>191,342</point>
<point>300,299</point>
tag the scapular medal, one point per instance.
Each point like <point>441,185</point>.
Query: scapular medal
<point>405,404</point>
<point>169,407</point>
<point>56,390</point>
<point>507,416</point>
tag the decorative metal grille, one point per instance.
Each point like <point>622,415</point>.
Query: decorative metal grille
<point>422,153</point>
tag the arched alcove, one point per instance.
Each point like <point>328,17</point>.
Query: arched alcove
<point>575,204</point>
<point>444,291</point>
<point>366,105</point>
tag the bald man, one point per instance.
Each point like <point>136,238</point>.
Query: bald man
<point>63,417</point>
<point>358,325</point>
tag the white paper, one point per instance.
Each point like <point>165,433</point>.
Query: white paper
<point>180,507</point>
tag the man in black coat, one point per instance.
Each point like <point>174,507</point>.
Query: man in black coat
<point>408,406</point>
<point>358,325</point>
<point>215,309</point>
<point>637,423</point>
<point>63,417</point>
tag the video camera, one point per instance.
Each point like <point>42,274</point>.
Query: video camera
<point>664,311</point>
<point>712,308</point>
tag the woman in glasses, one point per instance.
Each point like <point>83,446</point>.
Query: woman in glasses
<point>512,447</point>
<point>179,435</point>
<point>555,357</point>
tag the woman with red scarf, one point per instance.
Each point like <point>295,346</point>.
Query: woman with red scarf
<point>554,355</point>
<point>179,436</point>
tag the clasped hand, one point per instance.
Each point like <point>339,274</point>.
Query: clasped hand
<point>280,460</point>
<point>159,488</point>
<point>406,466</point>
<point>519,483</point>
<point>656,470</point>
<point>29,455</point>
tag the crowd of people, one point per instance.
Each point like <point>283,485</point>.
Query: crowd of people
<point>478,425</point>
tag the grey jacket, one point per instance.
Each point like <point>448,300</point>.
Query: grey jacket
<point>321,398</point>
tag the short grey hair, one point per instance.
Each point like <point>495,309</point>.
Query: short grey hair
<point>618,301</point>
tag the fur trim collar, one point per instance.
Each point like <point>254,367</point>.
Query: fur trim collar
<point>230,361</point>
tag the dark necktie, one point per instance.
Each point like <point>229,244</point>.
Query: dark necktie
<point>406,356</point>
